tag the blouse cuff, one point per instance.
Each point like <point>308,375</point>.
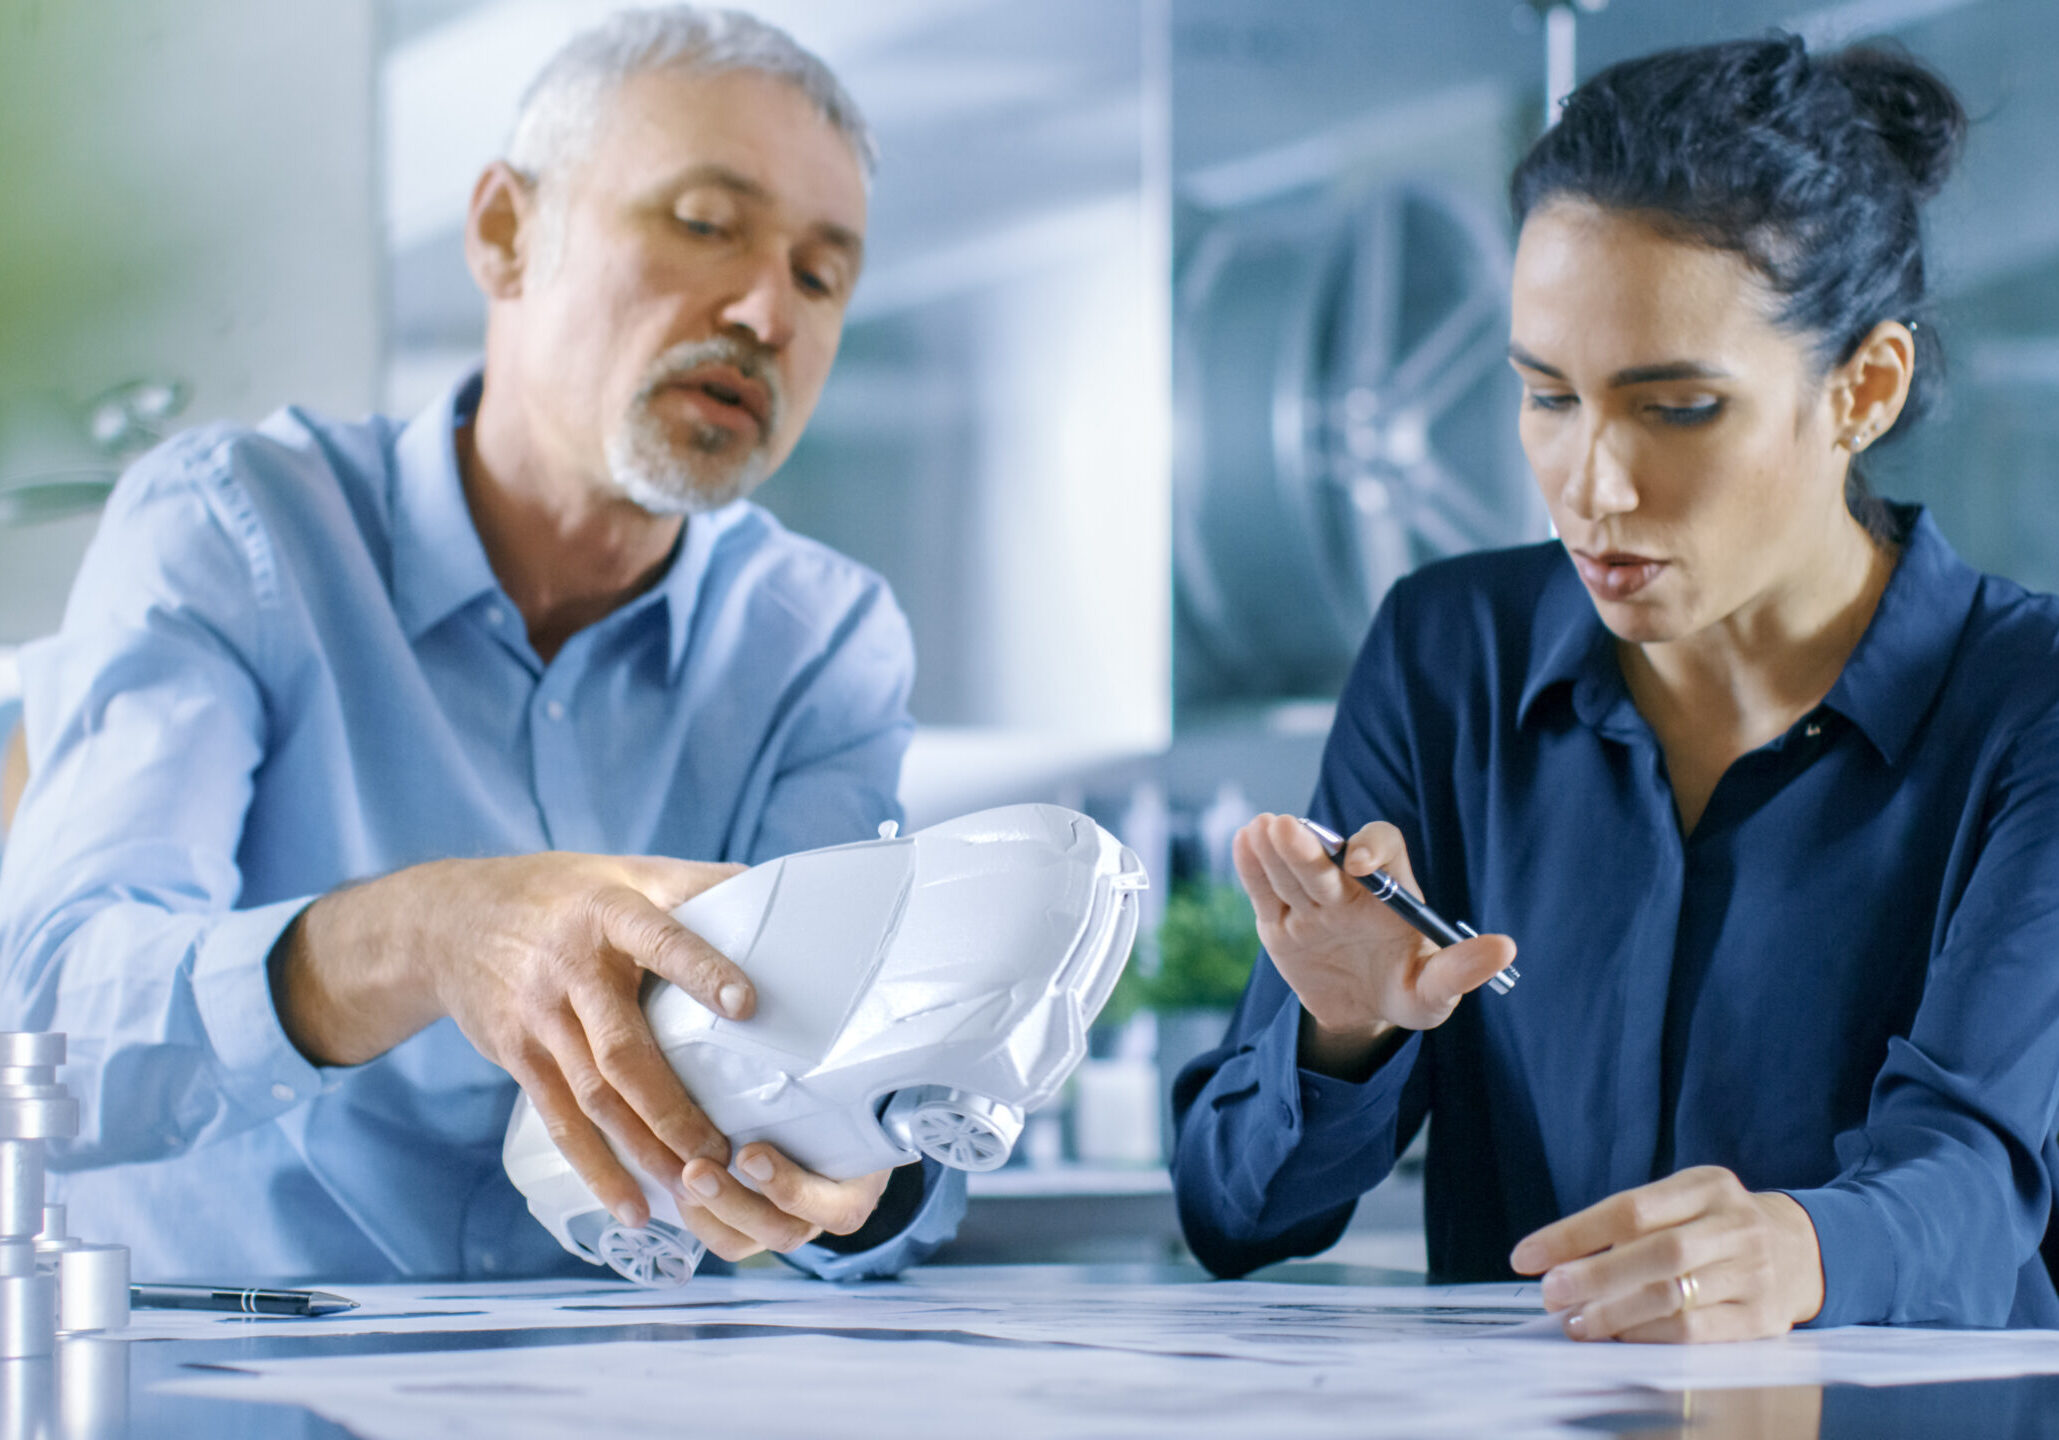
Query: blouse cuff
<point>1858,1257</point>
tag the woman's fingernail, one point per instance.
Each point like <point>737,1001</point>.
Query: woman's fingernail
<point>1557,1288</point>
<point>1576,1325</point>
<point>732,998</point>
<point>705,1184</point>
<point>1524,1260</point>
<point>632,1217</point>
<point>757,1167</point>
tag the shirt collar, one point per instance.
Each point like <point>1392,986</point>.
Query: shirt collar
<point>680,590</point>
<point>1570,643</point>
<point>439,564</point>
<point>1885,689</point>
<point>1894,675</point>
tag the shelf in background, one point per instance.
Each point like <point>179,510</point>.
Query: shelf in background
<point>1069,1181</point>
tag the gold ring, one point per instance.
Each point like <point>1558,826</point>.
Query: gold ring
<point>1689,1288</point>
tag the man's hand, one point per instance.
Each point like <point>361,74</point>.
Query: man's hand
<point>1692,1257</point>
<point>541,960</point>
<point>777,1206</point>
<point>1360,970</point>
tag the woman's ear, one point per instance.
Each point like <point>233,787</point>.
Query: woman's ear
<point>500,229</point>
<point>1868,391</point>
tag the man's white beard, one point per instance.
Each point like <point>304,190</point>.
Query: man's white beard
<point>705,473</point>
<point>667,479</point>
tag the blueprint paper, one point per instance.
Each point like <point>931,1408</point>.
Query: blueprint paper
<point>951,1351</point>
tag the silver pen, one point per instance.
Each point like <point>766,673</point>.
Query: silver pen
<point>1388,891</point>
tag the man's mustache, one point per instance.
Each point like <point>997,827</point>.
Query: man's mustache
<point>752,362</point>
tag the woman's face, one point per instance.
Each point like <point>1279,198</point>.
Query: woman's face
<point>1684,443</point>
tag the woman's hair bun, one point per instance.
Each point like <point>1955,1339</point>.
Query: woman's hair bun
<point>1912,110</point>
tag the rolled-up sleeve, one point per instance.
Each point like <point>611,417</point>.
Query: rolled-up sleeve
<point>1272,1158</point>
<point>1946,1191</point>
<point>146,722</point>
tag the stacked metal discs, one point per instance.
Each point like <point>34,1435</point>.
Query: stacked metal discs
<point>50,1283</point>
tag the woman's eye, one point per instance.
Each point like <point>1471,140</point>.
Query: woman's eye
<point>704,228</point>
<point>1547,400</point>
<point>1688,415</point>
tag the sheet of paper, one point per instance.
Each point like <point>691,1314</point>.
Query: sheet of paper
<point>908,1386</point>
<point>946,1350</point>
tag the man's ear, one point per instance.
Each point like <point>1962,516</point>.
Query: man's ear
<point>501,230</point>
<point>1869,390</point>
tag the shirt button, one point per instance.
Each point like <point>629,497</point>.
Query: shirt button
<point>555,709</point>
<point>495,615</point>
<point>1286,1115</point>
<point>1812,730</point>
<point>282,1092</point>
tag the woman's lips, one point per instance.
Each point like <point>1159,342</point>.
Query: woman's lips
<point>1616,575</point>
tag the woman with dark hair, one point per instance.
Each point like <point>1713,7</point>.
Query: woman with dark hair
<point>1762,775</point>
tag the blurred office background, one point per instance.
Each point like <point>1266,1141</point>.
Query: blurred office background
<point>1181,337</point>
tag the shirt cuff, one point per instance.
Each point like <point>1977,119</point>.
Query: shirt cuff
<point>936,1222</point>
<point>1307,1109</point>
<point>261,1071</point>
<point>1858,1256</point>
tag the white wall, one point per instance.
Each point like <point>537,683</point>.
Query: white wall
<point>189,196</point>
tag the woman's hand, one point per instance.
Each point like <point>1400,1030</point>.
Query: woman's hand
<point>1693,1257</point>
<point>1360,970</point>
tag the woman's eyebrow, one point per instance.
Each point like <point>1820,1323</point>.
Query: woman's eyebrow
<point>1634,375</point>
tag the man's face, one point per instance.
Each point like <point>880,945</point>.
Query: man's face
<point>687,285</point>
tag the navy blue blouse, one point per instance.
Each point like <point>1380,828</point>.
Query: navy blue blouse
<point>1844,984</point>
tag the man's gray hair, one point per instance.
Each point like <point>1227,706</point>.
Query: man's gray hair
<point>561,109</point>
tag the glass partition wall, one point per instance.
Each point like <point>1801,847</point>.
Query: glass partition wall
<point>1343,407</point>
<point>1179,339</point>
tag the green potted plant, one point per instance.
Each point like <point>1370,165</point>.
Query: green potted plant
<point>1206,945</point>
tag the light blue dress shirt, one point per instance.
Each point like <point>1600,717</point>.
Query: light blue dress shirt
<point>287,665</point>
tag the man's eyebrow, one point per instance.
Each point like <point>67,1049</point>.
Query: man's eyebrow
<point>738,183</point>
<point>1635,375</point>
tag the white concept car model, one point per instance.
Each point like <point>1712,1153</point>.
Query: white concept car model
<point>916,995</point>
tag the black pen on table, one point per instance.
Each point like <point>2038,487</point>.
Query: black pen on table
<point>240,1299</point>
<point>1389,892</point>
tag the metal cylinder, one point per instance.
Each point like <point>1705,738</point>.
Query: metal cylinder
<point>17,1257</point>
<point>20,1049</point>
<point>33,1106</point>
<point>92,1388</point>
<point>92,1288</point>
<point>37,1111</point>
<point>28,1399</point>
<point>21,1189</point>
<point>28,1314</point>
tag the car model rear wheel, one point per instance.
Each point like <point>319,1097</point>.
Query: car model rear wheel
<point>954,1128</point>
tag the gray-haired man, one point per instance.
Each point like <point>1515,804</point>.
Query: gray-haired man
<point>540,619</point>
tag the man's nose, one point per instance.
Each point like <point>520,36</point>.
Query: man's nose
<point>764,303</point>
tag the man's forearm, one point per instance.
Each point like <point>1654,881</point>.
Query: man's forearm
<point>342,979</point>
